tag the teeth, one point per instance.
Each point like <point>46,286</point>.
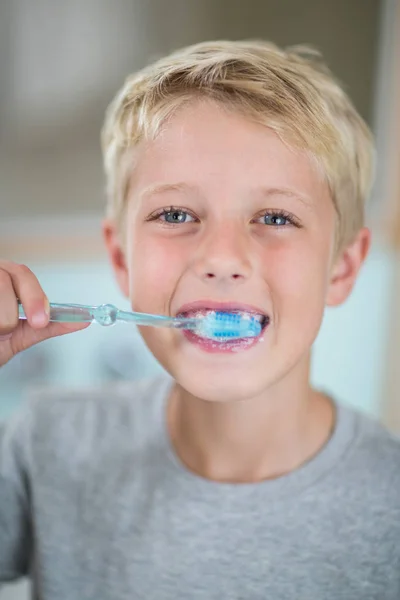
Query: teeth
<point>259,318</point>
<point>262,319</point>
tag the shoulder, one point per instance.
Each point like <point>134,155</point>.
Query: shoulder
<point>78,422</point>
<point>373,460</point>
<point>113,400</point>
<point>375,440</point>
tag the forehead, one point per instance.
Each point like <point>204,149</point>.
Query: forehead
<point>206,146</point>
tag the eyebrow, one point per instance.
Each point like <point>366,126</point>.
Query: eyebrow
<point>162,188</point>
<point>288,193</point>
<point>266,192</point>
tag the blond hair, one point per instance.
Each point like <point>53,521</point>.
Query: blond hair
<point>290,91</point>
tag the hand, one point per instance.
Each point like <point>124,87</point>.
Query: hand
<point>18,282</point>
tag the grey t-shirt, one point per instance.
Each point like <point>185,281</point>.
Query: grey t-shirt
<point>94,504</point>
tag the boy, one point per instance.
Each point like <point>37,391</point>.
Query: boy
<point>237,176</point>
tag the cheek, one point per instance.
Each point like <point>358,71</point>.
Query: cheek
<point>299,274</point>
<point>154,267</point>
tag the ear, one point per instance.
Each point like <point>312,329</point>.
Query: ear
<point>346,268</point>
<point>116,254</point>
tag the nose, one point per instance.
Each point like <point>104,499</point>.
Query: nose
<point>224,255</point>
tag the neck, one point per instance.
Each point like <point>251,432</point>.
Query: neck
<point>251,440</point>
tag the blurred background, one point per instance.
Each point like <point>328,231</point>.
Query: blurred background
<point>60,65</point>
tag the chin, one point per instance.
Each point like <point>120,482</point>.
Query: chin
<point>218,386</point>
<point>219,377</point>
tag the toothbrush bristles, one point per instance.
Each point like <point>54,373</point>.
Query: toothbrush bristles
<point>229,326</point>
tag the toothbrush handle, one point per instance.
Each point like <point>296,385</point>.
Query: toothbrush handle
<point>156,320</point>
<point>66,313</point>
<point>108,314</point>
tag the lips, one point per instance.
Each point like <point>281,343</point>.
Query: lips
<point>201,307</point>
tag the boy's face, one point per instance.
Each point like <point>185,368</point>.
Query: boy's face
<point>201,230</point>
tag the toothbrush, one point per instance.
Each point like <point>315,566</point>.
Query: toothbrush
<point>216,325</point>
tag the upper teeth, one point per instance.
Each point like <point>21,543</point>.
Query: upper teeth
<point>206,311</point>
<point>247,315</point>
<point>258,318</point>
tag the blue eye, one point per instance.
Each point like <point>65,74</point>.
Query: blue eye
<point>172,216</point>
<point>277,218</point>
<point>176,216</point>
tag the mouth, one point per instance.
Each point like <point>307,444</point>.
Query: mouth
<point>202,308</point>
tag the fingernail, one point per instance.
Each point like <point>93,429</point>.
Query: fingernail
<point>4,338</point>
<point>47,306</point>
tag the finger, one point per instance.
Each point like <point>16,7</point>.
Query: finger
<point>25,336</point>
<point>29,291</point>
<point>8,305</point>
